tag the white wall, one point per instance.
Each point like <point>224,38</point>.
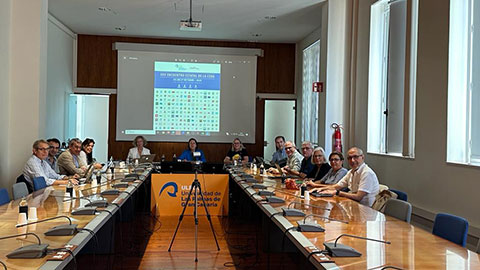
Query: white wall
<point>432,184</point>
<point>59,77</point>
<point>23,35</point>
<point>5,25</point>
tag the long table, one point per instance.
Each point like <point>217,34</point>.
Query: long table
<point>410,248</point>
<point>49,203</point>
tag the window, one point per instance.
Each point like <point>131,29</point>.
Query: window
<point>391,79</point>
<point>311,71</point>
<point>463,127</point>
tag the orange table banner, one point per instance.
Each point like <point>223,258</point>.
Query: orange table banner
<point>170,193</point>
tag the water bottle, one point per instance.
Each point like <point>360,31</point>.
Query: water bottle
<point>302,190</point>
<point>174,159</point>
<point>262,169</point>
<point>163,158</point>
<point>99,177</point>
<point>23,207</point>
<point>69,188</point>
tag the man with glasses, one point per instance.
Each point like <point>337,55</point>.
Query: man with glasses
<point>37,166</point>
<point>54,144</point>
<point>361,180</point>
<point>307,165</point>
<point>69,162</point>
<point>294,159</point>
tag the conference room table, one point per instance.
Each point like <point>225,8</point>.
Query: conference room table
<point>411,247</point>
<point>51,202</point>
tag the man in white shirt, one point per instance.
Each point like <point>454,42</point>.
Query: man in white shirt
<point>37,166</point>
<point>361,180</point>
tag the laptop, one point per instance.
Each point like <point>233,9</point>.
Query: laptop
<point>88,175</point>
<point>282,174</point>
<point>146,159</point>
<point>266,163</point>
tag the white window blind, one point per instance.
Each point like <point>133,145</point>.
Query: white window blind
<point>311,71</point>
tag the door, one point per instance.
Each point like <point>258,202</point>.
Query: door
<point>279,120</point>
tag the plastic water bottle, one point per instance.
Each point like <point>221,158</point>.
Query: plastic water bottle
<point>174,159</point>
<point>23,207</point>
<point>262,169</point>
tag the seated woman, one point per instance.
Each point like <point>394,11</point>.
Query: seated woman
<point>238,153</point>
<point>321,165</point>
<point>336,172</point>
<point>139,150</point>
<point>86,155</point>
<point>192,147</point>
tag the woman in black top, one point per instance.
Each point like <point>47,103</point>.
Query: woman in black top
<point>238,153</point>
<point>321,165</point>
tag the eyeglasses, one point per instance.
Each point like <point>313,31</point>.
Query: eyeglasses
<point>354,157</point>
<point>334,159</point>
<point>288,148</point>
<point>306,148</point>
<point>43,149</point>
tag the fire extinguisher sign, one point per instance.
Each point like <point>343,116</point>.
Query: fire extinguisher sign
<point>317,87</point>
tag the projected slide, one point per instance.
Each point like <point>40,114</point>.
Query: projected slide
<point>186,98</point>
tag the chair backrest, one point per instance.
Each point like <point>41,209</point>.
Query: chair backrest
<point>21,179</point>
<point>4,197</point>
<point>39,183</point>
<point>20,190</point>
<point>478,246</point>
<point>452,228</point>
<point>398,209</point>
<point>400,195</point>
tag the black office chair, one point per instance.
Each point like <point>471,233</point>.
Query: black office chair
<point>21,179</point>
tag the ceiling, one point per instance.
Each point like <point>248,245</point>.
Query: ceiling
<point>279,21</point>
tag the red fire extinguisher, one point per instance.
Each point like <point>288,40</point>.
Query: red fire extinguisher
<point>337,137</point>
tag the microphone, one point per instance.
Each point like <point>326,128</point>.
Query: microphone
<point>297,212</point>
<point>312,226</point>
<point>340,250</point>
<point>61,230</point>
<point>27,252</point>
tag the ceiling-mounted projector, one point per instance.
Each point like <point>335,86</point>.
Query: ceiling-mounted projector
<point>189,25</point>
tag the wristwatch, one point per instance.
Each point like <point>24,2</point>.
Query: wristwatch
<point>338,192</point>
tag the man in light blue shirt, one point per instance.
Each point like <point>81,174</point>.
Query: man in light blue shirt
<point>280,154</point>
<point>37,166</point>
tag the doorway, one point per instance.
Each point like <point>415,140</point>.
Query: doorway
<point>279,120</point>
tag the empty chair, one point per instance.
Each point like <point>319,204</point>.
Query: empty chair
<point>451,227</point>
<point>4,198</point>
<point>20,190</point>
<point>398,209</point>
<point>400,195</point>
<point>39,183</point>
<point>21,179</point>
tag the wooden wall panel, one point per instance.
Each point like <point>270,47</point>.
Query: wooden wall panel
<point>97,68</point>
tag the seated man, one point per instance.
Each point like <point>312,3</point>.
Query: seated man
<point>307,164</point>
<point>294,159</point>
<point>279,155</point>
<point>361,180</point>
<point>54,144</point>
<point>69,162</point>
<point>37,166</point>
